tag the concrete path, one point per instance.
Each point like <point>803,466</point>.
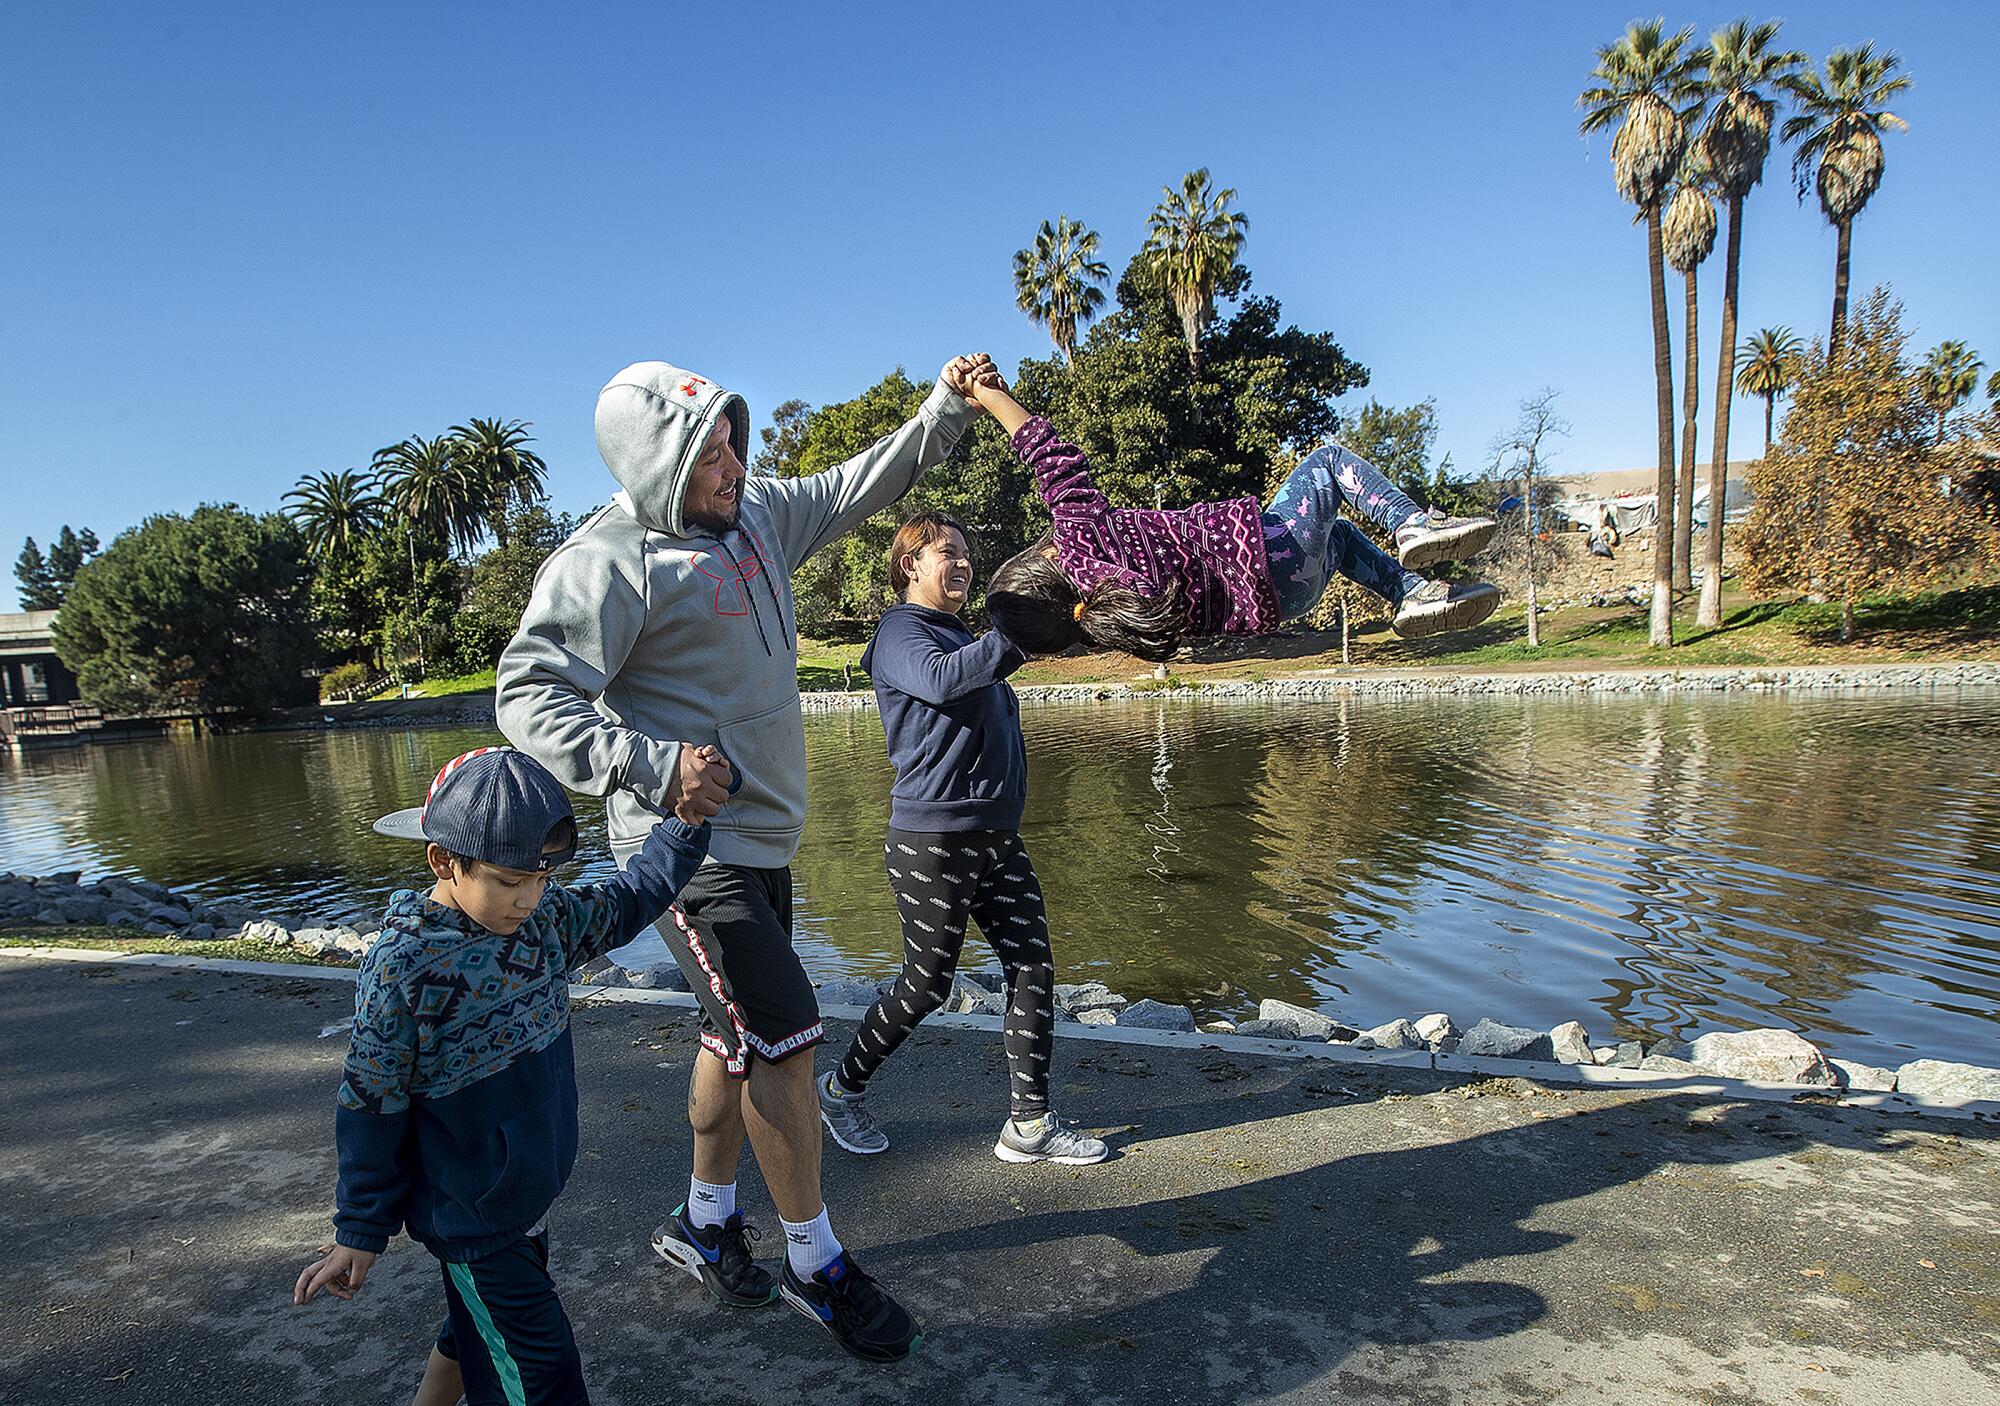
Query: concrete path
<point>1274,1231</point>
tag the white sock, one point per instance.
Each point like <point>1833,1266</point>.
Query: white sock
<point>709,1204</point>
<point>809,1245</point>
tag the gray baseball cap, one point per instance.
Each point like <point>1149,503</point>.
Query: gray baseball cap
<point>492,804</point>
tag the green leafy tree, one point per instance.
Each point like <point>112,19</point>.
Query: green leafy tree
<point>783,439</point>
<point>67,555</point>
<point>1950,376</point>
<point>1056,281</point>
<point>503,473</point>
<point>37,587</point>
<point>499,584</point>
<point>435,497</point>
<point>1853,499</point>
<point>1687,237</point>
<point>844,583</point>
<point>206,613</point>
<point>1194,237</point>
<point>1643,85</point>
<point>1158,435</point>
<point>335,511</point>
<point>1743,66</point>
<point>1839,130</point>
<point>1770,369</point>
<point>1398,442</point>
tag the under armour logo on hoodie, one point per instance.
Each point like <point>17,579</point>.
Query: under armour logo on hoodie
<point>689,385</point>
<point>735,574</point>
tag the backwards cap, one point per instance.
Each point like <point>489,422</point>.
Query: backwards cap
<point>492,804</point>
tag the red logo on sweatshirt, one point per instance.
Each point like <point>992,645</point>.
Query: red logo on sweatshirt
<point>732,572</point>
<point>688,386</point>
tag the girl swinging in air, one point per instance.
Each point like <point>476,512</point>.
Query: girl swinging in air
<point>1141,580</point>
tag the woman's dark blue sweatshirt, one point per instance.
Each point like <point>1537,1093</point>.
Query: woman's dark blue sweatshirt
<point>954,726</point>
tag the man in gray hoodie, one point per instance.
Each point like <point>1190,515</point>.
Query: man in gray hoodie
<point>664,626</point>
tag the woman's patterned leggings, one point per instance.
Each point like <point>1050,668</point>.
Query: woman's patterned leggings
<point>940,881</point>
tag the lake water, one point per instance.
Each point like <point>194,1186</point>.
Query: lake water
<point>1648,866</point>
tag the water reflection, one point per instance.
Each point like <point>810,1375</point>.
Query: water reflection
<point>1648,865</point>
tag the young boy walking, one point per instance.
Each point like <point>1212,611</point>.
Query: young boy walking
<point>457,1104</point>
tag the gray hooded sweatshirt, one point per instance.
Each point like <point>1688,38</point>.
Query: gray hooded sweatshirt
<point>644,632</point>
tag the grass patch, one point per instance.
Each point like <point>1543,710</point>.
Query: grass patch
<point>445,686</point>
<point>96,938</point>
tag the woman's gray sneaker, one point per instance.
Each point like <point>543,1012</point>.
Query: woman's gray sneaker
<point>1047,1140</point>
<point>1439,538</point>
<point>1437,606</point>
<point>846,1117</point>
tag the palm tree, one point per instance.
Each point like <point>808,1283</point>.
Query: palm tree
<point>1194,238</point>
<point>1055,281</point>
<point>427,486</point>
<point>1688,234</point>
<point>1839,125</point>
<point>1950,376</point>
<point>1733,146</point>
<point>1770,368</point>
<point>335,511</point>
<point>1641,82</point>
<point>503,471</point>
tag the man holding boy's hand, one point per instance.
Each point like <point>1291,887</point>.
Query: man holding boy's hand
<point>667,620</point>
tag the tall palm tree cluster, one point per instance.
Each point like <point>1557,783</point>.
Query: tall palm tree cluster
<point>1192,240</point>
<point>454,489</point>
<point>1693,124</point>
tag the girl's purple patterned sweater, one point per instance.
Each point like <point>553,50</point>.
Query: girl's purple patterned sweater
<point>1213,551</point>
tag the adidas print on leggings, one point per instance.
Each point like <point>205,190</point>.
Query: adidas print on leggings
<point>940,881</point>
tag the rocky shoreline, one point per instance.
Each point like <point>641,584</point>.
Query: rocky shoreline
<point>476,710</point>
<point>1763,1055</point>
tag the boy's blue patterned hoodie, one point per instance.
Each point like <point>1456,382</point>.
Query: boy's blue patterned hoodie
<point>457,1108</point>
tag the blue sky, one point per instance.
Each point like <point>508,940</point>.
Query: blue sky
<point>240,244</point>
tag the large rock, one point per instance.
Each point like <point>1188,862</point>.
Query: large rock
<point>198,932</point>
<point>667,976</point>
<point>1941,1081</point>
<point>1435,1028</point>
<point>50,917</point>
<point>1667,1064</point>
<point>1312,1025</point>
<point>1491,1038</point>
<point>1395,1035</point>
<point>1863,1078</point>
<point>1627,1055</point>
<point>985,981</point>
<point>838,992</point>
<point>1269,1029</point>
<point>1088,996</point>
<point>1097,1017</point>
<point>1570,1043</point>
<point>264,930</point>
<point>1769,1056</point>
<point>1154,1015</point>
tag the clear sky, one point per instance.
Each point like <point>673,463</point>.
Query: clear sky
<point>242,243</point>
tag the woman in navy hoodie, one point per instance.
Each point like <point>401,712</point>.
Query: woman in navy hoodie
<point>954,850</point>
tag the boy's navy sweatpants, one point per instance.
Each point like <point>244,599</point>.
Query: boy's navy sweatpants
<point>508,1330</point>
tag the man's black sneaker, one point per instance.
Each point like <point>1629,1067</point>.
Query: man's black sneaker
<point>718,1256</point>
<point>849,1304</point>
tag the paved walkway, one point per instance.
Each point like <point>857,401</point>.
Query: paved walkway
<point>1274,1231</point>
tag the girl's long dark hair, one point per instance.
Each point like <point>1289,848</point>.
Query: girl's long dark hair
<point>1034,605</point>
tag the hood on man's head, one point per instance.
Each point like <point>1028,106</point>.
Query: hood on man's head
<point>652,421</point>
